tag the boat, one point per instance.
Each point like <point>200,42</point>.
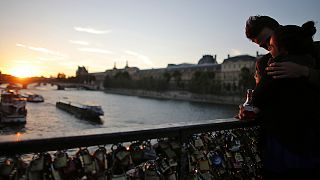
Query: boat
<point>89,112</point>
<point>34,97</point>
<point>12,107</point>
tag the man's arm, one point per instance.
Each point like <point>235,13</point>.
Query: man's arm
<point>292,70</point>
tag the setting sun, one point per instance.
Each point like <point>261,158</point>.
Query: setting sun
<point>23,71</point>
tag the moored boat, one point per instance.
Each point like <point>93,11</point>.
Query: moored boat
<point>34,97</point>
<point>12,107</point>
<point>88,112</point>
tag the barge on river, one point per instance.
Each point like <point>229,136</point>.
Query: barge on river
<point>88,112</point>
<point>12,107</point>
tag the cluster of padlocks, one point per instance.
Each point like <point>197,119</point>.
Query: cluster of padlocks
<point>227,154</point>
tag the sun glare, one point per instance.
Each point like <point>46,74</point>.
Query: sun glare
<point>23,72</point>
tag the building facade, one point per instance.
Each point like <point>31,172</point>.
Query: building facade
<point>228,72</point>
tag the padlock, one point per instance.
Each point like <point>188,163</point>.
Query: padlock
<point>198,155</point>
<point>172,175</point>
<point>204,165</point>
<point>136,173</point>
<point>238,157</point>
<point>172,163</point>
<point>237,165</point>
<point>87,162</point>
<point>206,176</point>
<point>163,165</point>
<point>71,169</point>
<point>215,158</point>
<point>136,152</point>
<point>163,144</point>
<point>170,153</point>
<point>37,163</point>
<point>60,160</point>
<point>175,145</point>
<point>100,156</point>
<point>198,143</point>
<point>149,153</point>
<point>55,173</point>
<point>151,170</point>
<point>34,175</point>
<point>122,154</point>
<point>7,167</point>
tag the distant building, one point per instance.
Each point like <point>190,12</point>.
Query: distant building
<point>231,69</point>
<point>227,72</point>
<point>81,71</point>
<point>208,59</point>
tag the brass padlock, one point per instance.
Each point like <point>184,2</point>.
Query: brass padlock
<point>204,165</point>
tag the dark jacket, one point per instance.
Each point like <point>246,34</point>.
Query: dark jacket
<point>289,108</point>
<point>314,73</point>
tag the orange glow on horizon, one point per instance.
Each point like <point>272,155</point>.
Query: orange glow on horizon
<point>23,71</point>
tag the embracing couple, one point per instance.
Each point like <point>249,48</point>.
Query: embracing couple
<point>286,98</point>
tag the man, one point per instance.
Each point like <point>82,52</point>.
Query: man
<point>259,30</point>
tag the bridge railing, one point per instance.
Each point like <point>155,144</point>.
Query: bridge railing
<point>215,150</point>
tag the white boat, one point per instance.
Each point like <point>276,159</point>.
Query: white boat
<point>12,107</point>
<point>34,97</point>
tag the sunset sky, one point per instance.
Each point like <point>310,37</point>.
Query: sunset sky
<point>45,37</point>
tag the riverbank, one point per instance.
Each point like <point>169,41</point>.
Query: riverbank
<point>180,95</point>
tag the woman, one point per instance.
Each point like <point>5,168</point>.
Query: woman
<point>287,108</point>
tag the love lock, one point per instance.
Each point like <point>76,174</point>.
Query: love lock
<point>60,160</point>
<point>100,156</point>
<point>37,163</point>
<point>6,167</point>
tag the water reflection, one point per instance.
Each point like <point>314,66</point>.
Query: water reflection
<point>122,113</point>
<point>12,129</point>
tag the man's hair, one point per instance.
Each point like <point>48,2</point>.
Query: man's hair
<point>295,39</point>
<point>255,24</point>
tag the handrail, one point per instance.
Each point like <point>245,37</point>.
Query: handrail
<point>60,143</point>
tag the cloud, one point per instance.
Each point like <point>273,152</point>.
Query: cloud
<point>235,52</point>
<point>144,58</point>
<point>43,50</point>
<point>79,42</point>
<point>20,45</point>
<point>95,50</point>
<point>52,58</point>
<point>91,30</point>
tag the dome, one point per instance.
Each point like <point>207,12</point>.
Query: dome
<point>207,59</point>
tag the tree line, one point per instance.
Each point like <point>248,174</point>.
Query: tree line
<point>202,82</point>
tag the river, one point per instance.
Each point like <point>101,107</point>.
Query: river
<point>122,113</point>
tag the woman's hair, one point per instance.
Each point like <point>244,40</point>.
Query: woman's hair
<point>295,39</point>
<point>255,24</point>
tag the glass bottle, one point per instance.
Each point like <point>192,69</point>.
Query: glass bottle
<point>248,107</point>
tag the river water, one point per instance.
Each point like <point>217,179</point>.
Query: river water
<point>122,113</point>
